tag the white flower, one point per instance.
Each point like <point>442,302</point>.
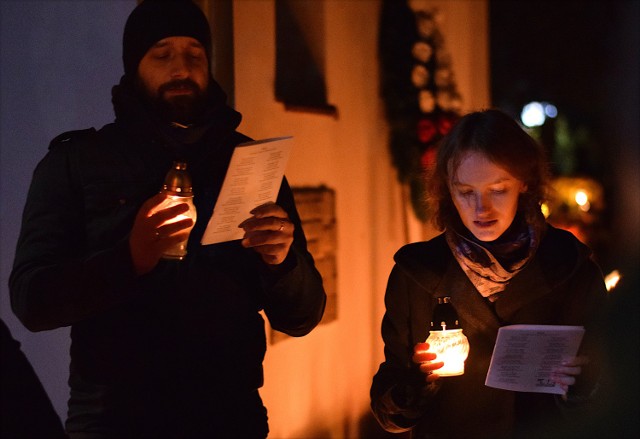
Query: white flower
<point>438,16</point>
<point>422,51</point>
<point>443,56</point>
<point>442,77</point>
<point>419,76</point>
<point>456,104</point>
<point>444,100</point>
<point>426,26</point>
<point>426,101</point>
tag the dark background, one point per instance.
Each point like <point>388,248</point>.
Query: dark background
<point>559,51</point>
<point>583,57</point>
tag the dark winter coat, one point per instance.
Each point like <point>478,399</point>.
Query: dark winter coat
<point>25,408</point>
<point>559,286</point>
<point>180,348</point>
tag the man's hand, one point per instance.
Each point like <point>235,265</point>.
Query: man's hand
<point>566,374</point>
<point>269,232</point>
<point>150,237</point>
<point>425,358</point>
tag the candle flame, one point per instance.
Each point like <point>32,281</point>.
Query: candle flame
<point>611,279</point>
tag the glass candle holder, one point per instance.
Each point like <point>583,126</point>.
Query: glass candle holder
<point>179,189</point>
<point>179,250</point>
<point>446,339</point>
<point>452,348</point>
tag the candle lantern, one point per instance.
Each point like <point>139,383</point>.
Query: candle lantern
<point>179,189</point>
<point>447,340</point>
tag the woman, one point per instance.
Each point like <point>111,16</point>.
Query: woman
<point>501,264</point>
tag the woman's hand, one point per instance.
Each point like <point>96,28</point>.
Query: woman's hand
<point>269,232</point>
<point>565,375</point>
<point>425,358</point>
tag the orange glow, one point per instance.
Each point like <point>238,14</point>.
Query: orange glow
<point>611,279</point>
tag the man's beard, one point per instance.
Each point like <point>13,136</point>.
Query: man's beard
<point>183,109</point>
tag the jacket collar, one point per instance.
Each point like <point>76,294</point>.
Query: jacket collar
<point>475,310</point>
<point>432,266</point>
<point>218,120</point>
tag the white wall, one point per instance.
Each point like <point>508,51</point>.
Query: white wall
<point>318,386</point>
<point>59,60</point>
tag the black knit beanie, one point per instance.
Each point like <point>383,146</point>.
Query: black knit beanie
<point>153,20</point>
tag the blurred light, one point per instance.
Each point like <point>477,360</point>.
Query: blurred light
<point>533,114</point>
<point>585,207</point>
<point>611,279</point>
<point>550,110</point>
<point>582,199</point>
<point>544,207</point>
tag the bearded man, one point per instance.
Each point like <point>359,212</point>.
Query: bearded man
<point>160,348</point>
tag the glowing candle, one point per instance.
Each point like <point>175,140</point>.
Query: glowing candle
<point>178,187</point>
<point>446,339</point>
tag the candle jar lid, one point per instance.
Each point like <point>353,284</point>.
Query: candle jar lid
<point>178,179</point>
<point>444,315</point>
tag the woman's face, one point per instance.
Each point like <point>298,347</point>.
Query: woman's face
<point>485,196</point>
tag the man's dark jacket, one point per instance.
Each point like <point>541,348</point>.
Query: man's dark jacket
<point>182,346</point>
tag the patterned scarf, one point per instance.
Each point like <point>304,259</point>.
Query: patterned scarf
<point>491,265</point>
